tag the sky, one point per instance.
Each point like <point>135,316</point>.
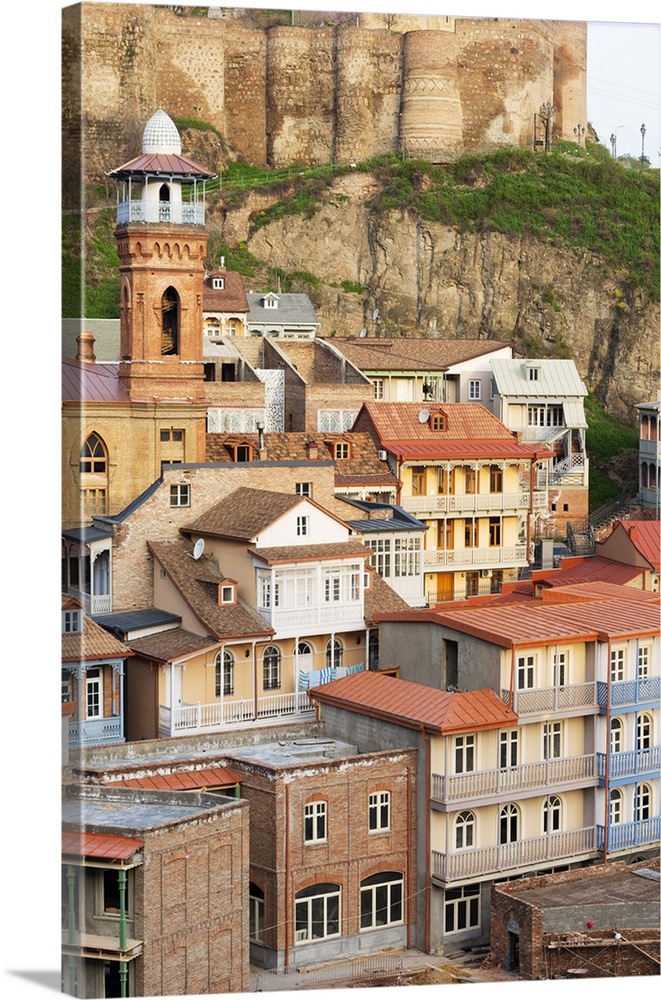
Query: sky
<point>623,92</point>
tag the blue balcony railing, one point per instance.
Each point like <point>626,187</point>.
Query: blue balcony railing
<point>629,763</point>
<point>623,835</point>
<point>646,689</point>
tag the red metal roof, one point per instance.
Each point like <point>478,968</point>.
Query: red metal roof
<point>93,383</point>
<point>591,568</point>
<point>184,781</point>
<point>161,163</point>
<point>481,448</point>
<point>415,706</point>
<point>646,538</point>
<point>111,847</point>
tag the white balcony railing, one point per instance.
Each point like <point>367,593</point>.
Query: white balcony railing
<point>348,615</point>
<point>236,713</point>
<point>474,503</point>
<point>509,555</point>
<point>454,788</point>
<point>534,700</point>
<point>95,732</point>
<point>505,857</point>
<point>629,763</point>
<point>186,212</point>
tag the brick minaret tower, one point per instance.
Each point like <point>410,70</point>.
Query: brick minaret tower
<point>162,242</point>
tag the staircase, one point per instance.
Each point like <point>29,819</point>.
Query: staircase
<point>581,534</point>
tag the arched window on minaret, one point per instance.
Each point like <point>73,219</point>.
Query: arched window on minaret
<point>170,310</point>
<point>93,469</point>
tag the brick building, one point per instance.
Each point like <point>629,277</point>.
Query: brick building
<point>154,893</point>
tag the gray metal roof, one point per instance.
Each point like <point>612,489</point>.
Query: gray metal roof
<point>291,308</point>
<point>401,520</point>
<point>87,534</point>
<point>555,378</point>
<point>123,622</point>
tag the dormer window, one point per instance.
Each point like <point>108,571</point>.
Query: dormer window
<point>437,421</point>
<point>533,373</point>
<point>227,592</point>
<point>242,452</point>
<point>72,620</point>
<point>342,449</point>
<point>218,283</point>
<point>270,301</point>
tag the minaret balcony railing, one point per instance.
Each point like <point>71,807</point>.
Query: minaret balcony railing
<point>179,213</point>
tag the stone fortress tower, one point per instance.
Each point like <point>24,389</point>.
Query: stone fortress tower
<point>436,87</point>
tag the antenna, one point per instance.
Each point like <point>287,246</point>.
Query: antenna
<point>198,549</point>
<point>363,332</point>
<point>423,416</point>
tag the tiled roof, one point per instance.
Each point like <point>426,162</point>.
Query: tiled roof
<point>415,705</point>
<point>93,643</point>
<point>184,781</point>
<point>232,298</point>
<point>412,354</point>
<point>85,380</point>
<point>380,598</point>
<point>197,581</point>
<point>244,513</point>
<point>109,847</point>
<point>304,553</point>
<point>403,422</point>
<point>171,644</point>
<point>555,378</point>
<point>646,538</point>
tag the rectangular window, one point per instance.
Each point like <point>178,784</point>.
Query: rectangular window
<point>495,534</point>
<point>94,502</point>
<point>227,594</point>
<point>379,811</point>
<point>462,908</point>
<point>644,653</point>
<point>509,748</point>
<point>470,534</point>
<point>343,584</point>
<point>256,916</point>
<point>381,900</point>
<point>304,489</point>
<point>464,753</point>
<point>552,748</point>
<point>495,479</point>
<point>469,480</point>
<point>407,556</point>
<point>67,686</point>
<point>72,621</point>
<point>302,525</point>
<point>315,822</point>
<point>318,916</point>
<point>93,693</point>
<point>342,449</point>
<point>445,481</point>
<point>264,591</point>
<point>474,388</point>
<point>378,388</point>
<point>381,555</point>
<point>180,495</point>
<point>418,481</point>
<point>525,669</point>
<point>617,664</point>
<point>559,669</point>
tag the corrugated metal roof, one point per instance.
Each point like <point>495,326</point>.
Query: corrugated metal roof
<point>554,378</point>
<point>93,383</point>
<point>416,705</point>
<point>184,781</point>
<point>110,847</point>
<point>593,568</point>
<point>646,538</point>
<point>130,621</point>
<point>484,449</point>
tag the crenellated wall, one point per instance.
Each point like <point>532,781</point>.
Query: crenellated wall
<point>314,94</point>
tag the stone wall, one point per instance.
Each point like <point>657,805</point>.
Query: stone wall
<point>310,95</point>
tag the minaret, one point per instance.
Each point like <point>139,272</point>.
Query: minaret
<point>162,243</point>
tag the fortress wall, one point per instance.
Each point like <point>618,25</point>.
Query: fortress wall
<point>245,92</point>
<point>432,121</point>
<point>368,93</point>
<point>300,95</point>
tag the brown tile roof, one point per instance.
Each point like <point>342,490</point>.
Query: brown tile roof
<point>232,298</point>
<point>184,781</point>
<point>171,644</point>
<point>305,553</point>
<point>646,538</point>
<point>244,513</point>
<point>414,354</point>
<point>381,598</point>
<point>93,643</point>
<point>110,847</point>
<point>85,380</point>
<point>415,705</point>
<point>197,582</point>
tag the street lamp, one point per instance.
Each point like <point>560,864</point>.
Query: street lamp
<point>546,112</point>
<point>642,148</point>
<point>578,132</point>
<point>613,142</point>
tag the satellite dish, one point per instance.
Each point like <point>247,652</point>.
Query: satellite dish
<point>423,416</point>
<point>199,548</point>
<point>363,332</point>
<point>375,314</point>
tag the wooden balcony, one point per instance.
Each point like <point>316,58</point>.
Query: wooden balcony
<point>494,555</point>
<point>474,503</point>
<point>453,789</point>
<point>535,701</point>
<point>629,763</point>
<point>564,845</point>
<point>239,713</point>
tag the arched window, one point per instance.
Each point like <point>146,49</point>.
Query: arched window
<point>271,668</point>
<point>644,731</point>
<point>616,735</point>
<point>224,673</point>
<point>317,912</point>
<point>256,910</point>
<point>170,310</point>
<point>615,807</point>
<point>334,653</point>
<point>381,900</point>
<point>642,805</point>
<point>464,830</point>
<point>509,824</point>
<point>93,467</point>
<point>551,814</point>
<point>643,475</point>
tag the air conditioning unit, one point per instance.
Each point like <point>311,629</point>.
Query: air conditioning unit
<point>486,572</point>
<point>382,455</point>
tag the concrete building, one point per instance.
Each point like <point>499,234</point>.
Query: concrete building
<point>154,893</point>
<point>599,922</point>
<point>471,482</point>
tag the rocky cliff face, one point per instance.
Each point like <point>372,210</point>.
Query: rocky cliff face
<point>431,280</point>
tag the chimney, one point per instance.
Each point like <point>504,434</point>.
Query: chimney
<point>260,432</point>
<point>85,343</point>
<point>312,449</point>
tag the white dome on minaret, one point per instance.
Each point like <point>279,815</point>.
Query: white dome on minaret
<point>161,134</point>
